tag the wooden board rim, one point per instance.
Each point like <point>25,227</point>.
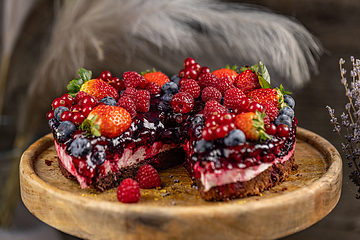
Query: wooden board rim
<point>331,179</point>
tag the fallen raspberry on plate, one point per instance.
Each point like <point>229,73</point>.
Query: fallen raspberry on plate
<point>148,177</point>
<point>128,191</point>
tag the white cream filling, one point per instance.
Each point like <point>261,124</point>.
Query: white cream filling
<point>221,177</point>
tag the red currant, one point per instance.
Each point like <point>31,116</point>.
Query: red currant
<point>86,110</point>
<point>181,73</point>
<point>271,129</point>
<point>57,103</point>
<point>282,130</point>
<point>67,98</point>
<point>50,114</point>
<point>75,108</point>
<point>244,102</point>
<point>117,83</point>
<point>225,118</point>
<point>196,67</point>
<point>88,101</point>
<point>205,70</point>
<point>190,73</point>
<point>210,122</point>
<point>182,80</point>
<point>77,118</point>
<point>208,133</point>
<point>254,106</point>
<point>188,62</point>
<point>105,75</point>
<point>221,131</point>
<point>66,116</point>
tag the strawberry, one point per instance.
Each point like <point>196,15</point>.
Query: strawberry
<point>106,120</point>
<point>247,81</point>
<point>226,72</point>
<point>252,124</point>
<point>156,76</point>
<point>94,87</point>
<point>272,95</point>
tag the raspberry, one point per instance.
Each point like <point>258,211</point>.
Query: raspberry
<point>128,191</point>
<point>207,80</point>
<point>148,177</point>
<point>190,86</point>
<point>224,85</point>
<point>153,88</point>
<point>142,100</point>
<point>128,105</point>
<point>182,102</point>
<point>212,107</point>
<point>128,92</point>
<point>134,79</point>
<point>232,98</point>
<point>271,111</point>
<point>211,93</point>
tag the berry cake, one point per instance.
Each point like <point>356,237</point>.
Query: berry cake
<point>233,132</point>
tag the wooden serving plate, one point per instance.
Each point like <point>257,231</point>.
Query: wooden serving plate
<point>175,211</point>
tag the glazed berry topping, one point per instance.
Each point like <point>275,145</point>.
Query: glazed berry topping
<point>182,102</point>
<point>79,147</point>
<point>211,93</point>
<point>148,177</point>
<point>98,157</point>
<point>128,191</point>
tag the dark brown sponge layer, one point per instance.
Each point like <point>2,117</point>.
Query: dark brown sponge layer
<point>272,176</point>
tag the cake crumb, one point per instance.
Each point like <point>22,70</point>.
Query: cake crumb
<point>156,199</point>
<point>48,162</point>
<point>173,203</point>
<point>163,191</point>
<point>284,189</point>
<point>83,195</point>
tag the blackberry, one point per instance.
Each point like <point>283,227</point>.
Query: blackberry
<point>58,111</point>
<point>98,157</point>
<point>109,101</point>
<point>65,130</point>
<point>79,147</point>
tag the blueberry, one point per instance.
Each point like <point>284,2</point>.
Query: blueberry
<point>98,158</point>
<point>283,119</point>
<point>289,100</point>
<point>53,124</point>
<point>234,138</point>
<point>175,79</point>
<point>166,97</point>
<point>58,111</point>
<point>203,146</point>
<point>170,87</point>
<point>108,101</point>
<point>80,147</point>
<point>287,111</point>
<point>65,130</point>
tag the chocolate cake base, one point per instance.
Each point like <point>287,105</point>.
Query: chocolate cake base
<point>272,176</point>
<point>163,160</point>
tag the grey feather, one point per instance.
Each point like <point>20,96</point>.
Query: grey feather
<point>121,35</point>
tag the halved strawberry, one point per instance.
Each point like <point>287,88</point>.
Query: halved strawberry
<point>252,124</point>
<point>226,72</point>
<point>94,87</point>
<point>106,120</point>
<point>156,76</point>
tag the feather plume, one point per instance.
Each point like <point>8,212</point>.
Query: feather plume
<point>120,35</point>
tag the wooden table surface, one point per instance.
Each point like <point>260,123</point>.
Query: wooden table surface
<point>175,211</point>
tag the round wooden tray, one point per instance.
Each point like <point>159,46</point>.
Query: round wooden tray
<point>175,211</point>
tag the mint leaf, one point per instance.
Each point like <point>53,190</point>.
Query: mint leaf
<point>74,86</point>
<point>264,83</point>
<point>84,74</point>
<point>255,68</point>
<point>264,72</point>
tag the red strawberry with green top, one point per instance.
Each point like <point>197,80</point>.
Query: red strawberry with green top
<point>156,76</point>
<point>247,81</point>
<point>94,87</point>
<point>252,124</point>
<point>226,72</point>
<point>272,95</point>
<point>106,120</point>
